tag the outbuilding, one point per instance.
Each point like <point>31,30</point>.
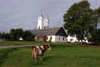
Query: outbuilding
<point>54,34</point>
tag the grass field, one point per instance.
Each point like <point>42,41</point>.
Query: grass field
<point>12,43</point>
<point>61,55</point>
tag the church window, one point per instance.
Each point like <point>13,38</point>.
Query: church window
<point>39,27</point>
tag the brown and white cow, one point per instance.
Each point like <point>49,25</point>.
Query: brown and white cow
<point>39,51</point>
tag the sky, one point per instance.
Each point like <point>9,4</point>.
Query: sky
<point>24,13</point>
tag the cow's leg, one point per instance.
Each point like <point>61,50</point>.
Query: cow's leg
<point>41,58</point>
<point>32,54</point>
<point>35,55</point>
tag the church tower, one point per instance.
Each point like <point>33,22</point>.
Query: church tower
<point>46,22</point>
<point>40,22</point>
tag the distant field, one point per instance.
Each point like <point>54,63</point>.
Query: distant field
<point>58,56</point>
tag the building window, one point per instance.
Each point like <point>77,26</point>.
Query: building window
<point>50,38</point>
<point>59,38</point>
<point>63,39</point>
<point>47,38</point>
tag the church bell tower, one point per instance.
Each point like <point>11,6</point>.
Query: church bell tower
<point>40,22</point>
<point>46,22</point>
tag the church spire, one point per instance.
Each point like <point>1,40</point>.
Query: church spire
<point>40,24</point>
<point>41,14</point>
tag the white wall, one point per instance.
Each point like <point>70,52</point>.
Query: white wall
<point>74,39</point>
<point>55,38</point>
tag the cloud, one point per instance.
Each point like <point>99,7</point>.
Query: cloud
<point>24,13</point>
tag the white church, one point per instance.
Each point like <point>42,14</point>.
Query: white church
<point>52,34</point>
<point>46,33</point>
<point>42,23</point>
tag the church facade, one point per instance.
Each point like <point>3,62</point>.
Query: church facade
<point>42,23</point>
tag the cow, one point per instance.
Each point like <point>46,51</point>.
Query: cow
<point>39,51</point>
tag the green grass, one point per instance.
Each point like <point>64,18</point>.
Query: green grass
<point>11,43</point>
<point>3,54</point>
<point>58,56</point>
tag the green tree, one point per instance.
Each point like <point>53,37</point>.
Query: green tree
<point>80,20</point>
<point>0,35</point>
<point>28,36</point>
<point>95,36</point>
<point>5,36</point>
<point>15,34</point>
<point>19,33</point>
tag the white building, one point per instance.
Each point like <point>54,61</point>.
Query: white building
<point>44,33</point>
<point>74,39</point>
<point>42,23</point>
<point>54,34</point>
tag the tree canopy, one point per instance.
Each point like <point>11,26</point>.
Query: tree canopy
<point>16,34</point>
<point>80,19</point>
<point>95,36</point>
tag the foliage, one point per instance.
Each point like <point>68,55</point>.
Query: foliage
<point>28,36</point>
<point>95,36</point>
<point>5,36</point>
<point>0,35</point>
<point>15,34</point>
<point>80,19</point>
<point>58,56</point>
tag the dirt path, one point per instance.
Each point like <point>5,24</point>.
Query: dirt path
<point>14,46</point>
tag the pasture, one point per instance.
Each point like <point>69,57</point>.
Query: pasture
<point>60,55</point>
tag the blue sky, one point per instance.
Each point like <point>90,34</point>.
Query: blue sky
<point>24,13</point>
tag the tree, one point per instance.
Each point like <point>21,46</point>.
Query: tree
<point>28,36</point>
<point>15,34</point>
<point>5,36</point>
<point>0,35</point>
<point>95,36</point>
<point>80,20</point>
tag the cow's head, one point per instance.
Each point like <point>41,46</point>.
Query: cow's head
<point>48,47</point>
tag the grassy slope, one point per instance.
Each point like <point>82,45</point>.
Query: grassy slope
<point>59,56</point>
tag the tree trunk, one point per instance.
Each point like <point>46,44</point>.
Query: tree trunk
<point>81,42</point>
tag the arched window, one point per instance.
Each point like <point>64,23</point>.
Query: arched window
<point>39,27</point>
